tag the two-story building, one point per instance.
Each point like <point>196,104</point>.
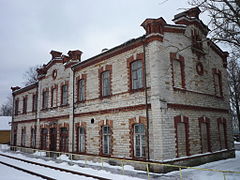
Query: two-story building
<point>160,97</point>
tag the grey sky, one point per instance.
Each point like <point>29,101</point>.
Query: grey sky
<point>30,29</point>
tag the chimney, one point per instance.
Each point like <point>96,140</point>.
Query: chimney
<point>55,54</point>
<point>154,25</point>
<point>14,88</point>
<point>75,55</point>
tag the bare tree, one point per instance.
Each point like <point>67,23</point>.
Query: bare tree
<point>225,20</point>
<point>6,109</point>
<point>234,88</point>
<point>30,75</point>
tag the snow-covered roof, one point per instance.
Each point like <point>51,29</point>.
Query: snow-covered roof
<point>5,122</point>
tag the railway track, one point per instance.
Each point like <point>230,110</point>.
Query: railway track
<point>46,166</point>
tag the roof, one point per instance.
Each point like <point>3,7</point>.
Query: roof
<point>5,122</point>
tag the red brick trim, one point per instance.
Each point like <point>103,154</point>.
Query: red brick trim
<point>132,122</point>
<point>100,125</point>
<point>100,72</point>
<point>55,118</point>
<point>25,121</point>
<point>114,110</point>
<point>196,108</point>
<point>223,122</point>
<point>54,87</point>
<point>182,119</point>
<point>130,60</point>
<point>173,30</point>
<point>207,122</point>
<point>63,147</point>
<point>195,92</point>
<point>45,90</point>
<point>153,38</point>
<point>25,89</point>
<point>78,79</point>
<point>173,56</point>
<point>77,127</point>
<point>219,75</point>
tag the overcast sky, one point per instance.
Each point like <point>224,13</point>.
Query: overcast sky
<point>30,29</point>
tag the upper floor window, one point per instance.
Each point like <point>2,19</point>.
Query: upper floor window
<point>139,140</point>
<point>25,105</point>
<point>34,102</point>
<point>137,74</point>
<point>217,78</point>
<point>178,72</point>
<point>106,89</point>
<point>16,106</point>
<point>45,100</point>
<point>53,97</point>
<point>64,99</point>
<point>106,135</point>
<point>81,90</point>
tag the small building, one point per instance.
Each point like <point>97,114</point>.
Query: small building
<point>5,129</point>
<point>161,97</point>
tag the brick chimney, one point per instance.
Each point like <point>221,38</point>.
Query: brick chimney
<point>75,55</point>
<point>14,88</point>
<point>154,25</point>
<point>55,54</point>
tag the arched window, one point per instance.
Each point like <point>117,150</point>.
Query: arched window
<point>81,139</point>
<point>106,139</point>
<point>139,140</point>
<point>137,74</point>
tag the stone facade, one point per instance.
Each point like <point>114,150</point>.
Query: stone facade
<point>164,98</point>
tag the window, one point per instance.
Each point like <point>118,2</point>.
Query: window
<point>178,73</point>
<point>139,140</point>
<point>81,90</point>
<point>53,97</point>
<point>64,95</point>
<point>34,103</point>
<point>25,105</point>
<point>44,138</point>
<point>204,134</point>
<point>63,139</point>
<point>181,128</point>
<point>137,74</point>
<point>217,82</point>
<point>33,137</point>
<point>222,133</point>
<point>16,106</point>
<point>45,100</point>
<point>81,139</point>
<point>106,135</point>
<point>106,89</point>
<point>23,137</point>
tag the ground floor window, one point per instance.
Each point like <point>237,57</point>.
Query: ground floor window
<point>33,137</point>
<point>63,139</point>
<point>44,138</point>
<point>106,139</point>
<point>181,129</point>
<point>139,140</point>
<point>204,128</point>
<point>23,137</point>
<point>81,139</point>
<point>222,133</point>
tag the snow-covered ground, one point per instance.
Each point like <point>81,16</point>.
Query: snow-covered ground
<point>232,164</point>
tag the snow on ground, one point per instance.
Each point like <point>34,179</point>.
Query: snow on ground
<point>65,165</point>
<point>232,164</point>
<point>8,173</point>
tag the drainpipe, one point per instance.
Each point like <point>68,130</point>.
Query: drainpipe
<point>73,125</point>
<point>146,96</point>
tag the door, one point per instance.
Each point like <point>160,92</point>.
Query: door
<point>53,139</point>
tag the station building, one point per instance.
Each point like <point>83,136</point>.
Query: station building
<point>160,97</point>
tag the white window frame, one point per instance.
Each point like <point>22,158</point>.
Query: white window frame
<point>81,139</point>
<point>106,91</point>
<point>137,74</point>
<point>141,137</point>
<point>106,139</point>
<point>81,89</point>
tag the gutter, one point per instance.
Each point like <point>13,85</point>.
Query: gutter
<point>146,96</point>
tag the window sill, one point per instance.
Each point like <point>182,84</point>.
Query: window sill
<point>137,90</point>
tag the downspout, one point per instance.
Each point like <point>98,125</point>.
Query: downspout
<point>146,97</point>
<point>73,91</point>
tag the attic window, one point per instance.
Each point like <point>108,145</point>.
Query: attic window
<point>197,45</point>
